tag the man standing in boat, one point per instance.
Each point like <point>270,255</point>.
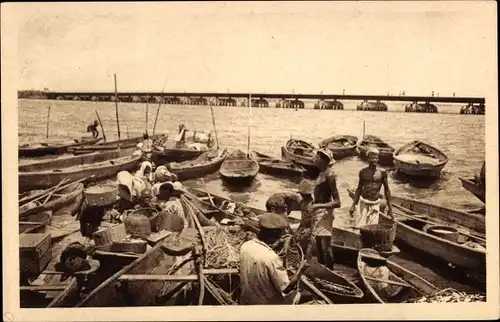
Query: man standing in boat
<point>93,128</point>
<point>371,179</point>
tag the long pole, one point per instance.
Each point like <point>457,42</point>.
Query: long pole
<point>48,117</point>
<point>147,112</point>
<point>159,104</point>
<point>116,109</point>
<point>102,127</point>
<point>213,121</point>
<point>249,121</point>
<point>363,129</point>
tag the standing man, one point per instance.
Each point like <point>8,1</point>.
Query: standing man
<point>264,280</point>
<point>93,128</point>
<point>371,179</point>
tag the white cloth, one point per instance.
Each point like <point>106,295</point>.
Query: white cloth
<point>162,174</point>
<point>129,186</point>
<point>322,222</point>
<point>147,146</point>
<point>367,212</point>
<point>262,275</point>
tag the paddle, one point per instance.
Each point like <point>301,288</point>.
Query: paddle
<point>116,110</point>
<point>48,117</point>
<point>389,282</point>
<point>159,104</point>
<point>55,189</point>
<point>102,127</point>
<point>403,212</point>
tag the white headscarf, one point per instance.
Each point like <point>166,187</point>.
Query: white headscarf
<point>140,172</point>
<point>129,186</point>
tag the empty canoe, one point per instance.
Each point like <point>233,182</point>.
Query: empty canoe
<point>386,151</point>
<point>239,169</point>
<point>341,145</point>
<point>277,167</point>
<point>32,151</point>
<point>207,163</point>
<point>419,159</point>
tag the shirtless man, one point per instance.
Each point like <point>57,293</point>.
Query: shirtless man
<point>367,193</point>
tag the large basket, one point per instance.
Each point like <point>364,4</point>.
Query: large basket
<point>292,257</point>
<point>141,222</point>
<point>100,195</point>
<point>379,237</point>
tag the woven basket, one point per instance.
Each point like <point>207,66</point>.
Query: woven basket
<point>139,222</point>
<point>379,237</point>
<point>100,195</point>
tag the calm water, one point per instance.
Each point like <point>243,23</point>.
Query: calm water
<point>461,137</point>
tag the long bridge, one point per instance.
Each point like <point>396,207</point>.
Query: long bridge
<point>472,105</point>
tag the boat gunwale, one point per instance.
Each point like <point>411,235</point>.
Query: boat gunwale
<point>422,166</point>
<point>220,158</point>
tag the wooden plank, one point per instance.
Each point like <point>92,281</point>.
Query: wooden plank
<point>45,288</point>
<point>148,277</point>
<point>106,253</point>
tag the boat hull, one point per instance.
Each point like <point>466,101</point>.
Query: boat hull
<point>175,155</point>
<point>474,188</point>
<point>447,251</point>
<point>106,146</point>
<point>103,170</point>
<point>51,150</point>
<point>245,180</point>
<point>419,169</point>
<point>70,195</point>
<point>278,168</point>
<point>341,152</point>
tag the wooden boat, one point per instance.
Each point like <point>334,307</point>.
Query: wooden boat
<point>207,163</point>
<point>467,251</point>
<point>475,188</point>
<point>341,145</point>
<point>385,150</point>
<point>142,283</point>
<point>35,223</point>
<point>57,201</point>
<point>346,244</point>
<point>106,146</point>
<point>419,159</point>
<point>454,218</point>
<point>301,153</point>
<point>55,292</point>
<point>388,282</point>
<point>100,170</point>
<point>277,167</point>
<point>71,160</point>
<point>164,154</point>
<point>216,206</point>
<point>33,151</point>
<point>239,169</point>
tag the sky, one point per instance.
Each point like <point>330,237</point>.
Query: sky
<point>305,47</point>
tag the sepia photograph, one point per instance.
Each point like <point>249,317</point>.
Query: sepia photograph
<point>309,159</point>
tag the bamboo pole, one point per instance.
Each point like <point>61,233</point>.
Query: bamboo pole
<point>159,104</point>
<point>147,112</point>
<point>215,128</point>
<point>363,131</point>
<point>48,117</point>
<point>249,122</point>
<point>116,109</point>
<point>102,127</point>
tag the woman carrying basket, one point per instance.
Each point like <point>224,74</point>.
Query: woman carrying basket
<point>326,199</point>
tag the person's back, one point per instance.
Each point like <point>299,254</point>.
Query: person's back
<point>262,275</point>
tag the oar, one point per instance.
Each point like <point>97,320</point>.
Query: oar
<point>102,127</point>
<point>208,193</point>
<point>389,282</point>
<point>404,212</point>
<point>55,189</point>
<point>60,188</point>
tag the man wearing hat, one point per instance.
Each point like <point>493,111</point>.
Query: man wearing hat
<point>326,199</point>
<point>371,180</point>
<point>263,278</point>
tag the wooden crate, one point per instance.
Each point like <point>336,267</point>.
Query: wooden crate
<point>35,253</point>
<point>108,235</point>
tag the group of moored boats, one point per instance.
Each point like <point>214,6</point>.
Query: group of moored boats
<point>54,188</point>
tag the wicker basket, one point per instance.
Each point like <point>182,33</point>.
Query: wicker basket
<point>139,222</point>
<point>100,195</point>
<point>448,233</point>
<point>379,237</point>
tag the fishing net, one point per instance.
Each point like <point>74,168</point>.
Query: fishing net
<point>449,295</point>
<point>223,248</point>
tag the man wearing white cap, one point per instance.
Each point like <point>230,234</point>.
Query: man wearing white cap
<point>371,179</point>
